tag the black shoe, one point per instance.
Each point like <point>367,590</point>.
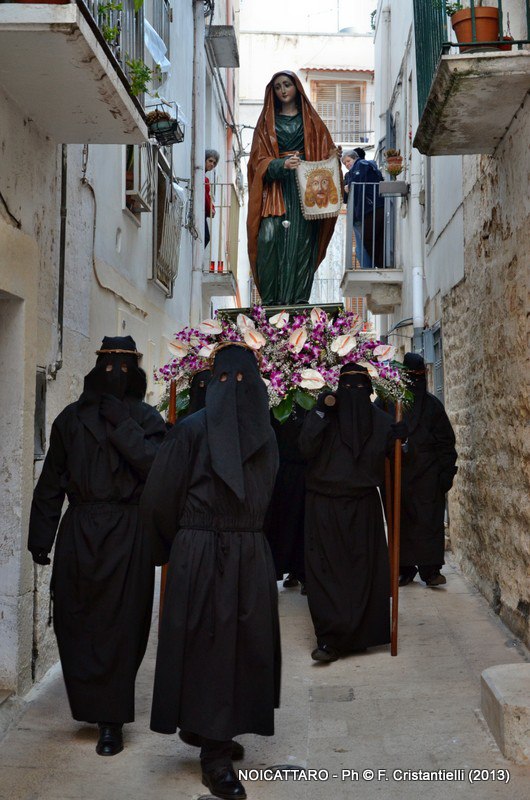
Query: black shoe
<point>324,653</point>
<point>290,582</point>
<point>303,590</point>
<point>193,739</point>
<point>404,580</point>
<point>436,580</point>
<point>223,782</point>
<point>110,741</point>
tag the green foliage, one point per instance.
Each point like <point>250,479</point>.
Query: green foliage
<point>304,399</point>
<point>139,75</point>
<point>110,32</point>
<point>450,8</point>
<point>372,19</point>
<point>137,5</point>
<point>182,401</point>
<point>283,410</point>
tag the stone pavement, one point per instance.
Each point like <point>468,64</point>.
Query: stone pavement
<point>419,711</point>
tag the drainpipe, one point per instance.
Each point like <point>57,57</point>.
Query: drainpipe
<point>418,318</point>
<point>197,160</point>
<point>417,250</point>
<point>54,368</point>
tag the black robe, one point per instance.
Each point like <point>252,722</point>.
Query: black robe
<point>284,523</point>
<point>427,470</point>
<point>103,569</point>
<point>218,661</point>
<point>347,567</point>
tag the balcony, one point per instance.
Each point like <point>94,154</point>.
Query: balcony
<point>369,270</point>
<point>220,271</point>
<point>468,93</point>
<point>58,68</point>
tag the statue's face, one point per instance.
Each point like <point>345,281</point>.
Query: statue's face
<point>284,89</point>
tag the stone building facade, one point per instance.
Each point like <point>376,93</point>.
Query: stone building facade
<point>465,224</point>
<point>487,369</point>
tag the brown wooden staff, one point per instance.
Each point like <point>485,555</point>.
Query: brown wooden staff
<point>394,551</point>
<point>171,418</point>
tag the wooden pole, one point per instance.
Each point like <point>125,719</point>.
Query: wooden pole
<point>394,554</point>
<point>171,418</point>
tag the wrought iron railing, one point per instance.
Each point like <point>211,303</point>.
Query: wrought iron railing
<point>434,37</point>
<point>221,251</point>
<point>170,220</point>
<point>348,122</point>
<point>369,228</point>
<point>162,20</point>
<point>122,28</point>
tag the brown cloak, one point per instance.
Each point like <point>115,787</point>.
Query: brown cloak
<point>266,199</point>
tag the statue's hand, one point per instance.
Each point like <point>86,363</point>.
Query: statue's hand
<point>292,162</point>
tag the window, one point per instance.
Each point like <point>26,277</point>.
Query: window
<point>170,201</point>
<point>139,177</point>
<point>343,108</point>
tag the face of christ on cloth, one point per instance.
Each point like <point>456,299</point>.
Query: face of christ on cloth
<point>320,189</point>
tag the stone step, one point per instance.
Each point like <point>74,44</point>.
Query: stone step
<point>505,692</point>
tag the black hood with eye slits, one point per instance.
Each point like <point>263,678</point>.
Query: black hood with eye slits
<point>237,414</point>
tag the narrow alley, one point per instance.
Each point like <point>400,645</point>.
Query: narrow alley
<point>369,712</point>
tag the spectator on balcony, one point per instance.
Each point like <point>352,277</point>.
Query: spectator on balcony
<point>211,161</point>
<point>285,249</point>
<point>345,439</point>
<point>101,449</point>
<point>364,176</point>
<point>218,661</point>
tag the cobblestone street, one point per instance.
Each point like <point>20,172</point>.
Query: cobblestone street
<point>419,711</point>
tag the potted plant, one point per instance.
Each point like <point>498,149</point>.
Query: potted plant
<point>393,162</point>
<point>165,126</point>
<point>486,23</point>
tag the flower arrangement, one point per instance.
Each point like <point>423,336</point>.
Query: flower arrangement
<point>393,162</point>
<point>300,354</point>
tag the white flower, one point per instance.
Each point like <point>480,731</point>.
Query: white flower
<point>311,379</point>
<point>318,315</point>
<point>253,338</point>
<point>297,339</point>
<point>178,349</point>
<point>280,320</point>
<point>344,344</point>
<point>207,350</point>
<point>384,352</point>
<point>266,381</point>
<point>210,326</point>
<point>372,371</point>
<point>194,340</point>
<point>244,323</point>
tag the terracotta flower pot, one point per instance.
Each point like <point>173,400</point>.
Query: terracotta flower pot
<point>486,27</point>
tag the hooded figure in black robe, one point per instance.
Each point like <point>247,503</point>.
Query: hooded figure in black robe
<point>218,661</point>
<point>347,566</point>
<point>284,523</point>
<point>101,449</point>
<point>198,387</point>
<point>427,470</point>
